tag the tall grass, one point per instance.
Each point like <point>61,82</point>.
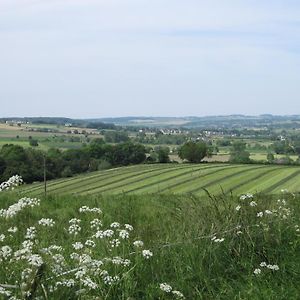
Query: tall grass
<point>206,248</point>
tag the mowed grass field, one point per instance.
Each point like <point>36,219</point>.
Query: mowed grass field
<point>177,179</point>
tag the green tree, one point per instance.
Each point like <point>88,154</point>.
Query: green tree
<point>270,157</point>
<point>163,154</point>
<point>238,153</point>
<point>193,152</point>
<point>33,143</point>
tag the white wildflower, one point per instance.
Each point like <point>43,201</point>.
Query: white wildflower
<point>87,282</point>
<point>128,227</point>
<point>138,244</point>
<point>178,295</point>
<point>77,245</point>
<point>273,267</point>
<point>214,239</point>
<point>11,183</point>
<point>115,243</point>
<point>115,225</point>
<point>4,292</point>
<point>35,260</point>
<point>124,234</point>
<point>108,233</point>
<point>84,209</point>
<point>238,208</point>
<point>30,233</point>
<point>46,222</point>
<point>14,209</point>
<point>147,254</point>
<point>246,196</point>
<point>74,229</point>
<point>12,229</point>
<point>2,237</point>
<point>263,264</point>
<point>90,243</point>
<point>165,287</point>
<point>257,271</point>
<point>66,283</point>
<point>96,224</point>
<point>5,252</point>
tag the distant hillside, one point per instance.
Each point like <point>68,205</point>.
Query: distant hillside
<point>229,121</point>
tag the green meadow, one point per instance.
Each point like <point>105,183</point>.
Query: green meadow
<point>177,179</point>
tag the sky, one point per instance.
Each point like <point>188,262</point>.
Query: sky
<point>112,58</point>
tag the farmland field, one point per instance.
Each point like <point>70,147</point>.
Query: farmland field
<point>177,178</point>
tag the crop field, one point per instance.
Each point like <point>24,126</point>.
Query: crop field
<point>178,179</point>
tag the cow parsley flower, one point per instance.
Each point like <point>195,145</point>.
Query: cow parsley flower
<point>4,292</point>
<point>85,208</point>
<point>115,225</point>
<point>74,229</point>
<point>12,229</point>
<point>77,245</point>
<point>46,222</point>
<point>178,295</point>
<point>35,260</point>
<point>257,271</point>
<point>138,244</point>
<point>214,239</point>
<point>108,233</point>
<point>128,227</point>
<point>165,287</point>
<point>246,196</point>
<point>87,282</point>
<point>30,233</point>
<point>273,267</point>
<point>5,252</point>
<point>90,243</point>
<point>238,208</point>
<point>115,243</point>
<point>147,254</point>
<point>124,234</point>
<point>96,224</point>
<point>2,237</point>
<point>11,183</point>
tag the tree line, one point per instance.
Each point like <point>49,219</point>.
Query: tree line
<point>28,162</point>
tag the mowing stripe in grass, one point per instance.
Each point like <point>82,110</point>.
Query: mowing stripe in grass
<point>154,172</point>
<point>89,180</point>
<point>169,178</point>
<point>213,182</point>
<point>257,185</point>
<point>107,181</point>
<point>257,176</point>
<point>84,177</point>
<point>189,185</point>
<point>292,185</point>
<point>281,182</point>
<point>182,182</point>
<point>228,183</point>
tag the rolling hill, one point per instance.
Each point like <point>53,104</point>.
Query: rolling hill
<point>177,178</point>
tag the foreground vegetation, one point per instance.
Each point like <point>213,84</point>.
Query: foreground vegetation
<point>177,179</point>
<point>222,247</point>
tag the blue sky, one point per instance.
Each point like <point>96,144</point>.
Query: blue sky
<point>88,58</point>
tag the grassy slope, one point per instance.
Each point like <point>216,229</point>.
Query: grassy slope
<point>172,227</point>
<point>178,178</point>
